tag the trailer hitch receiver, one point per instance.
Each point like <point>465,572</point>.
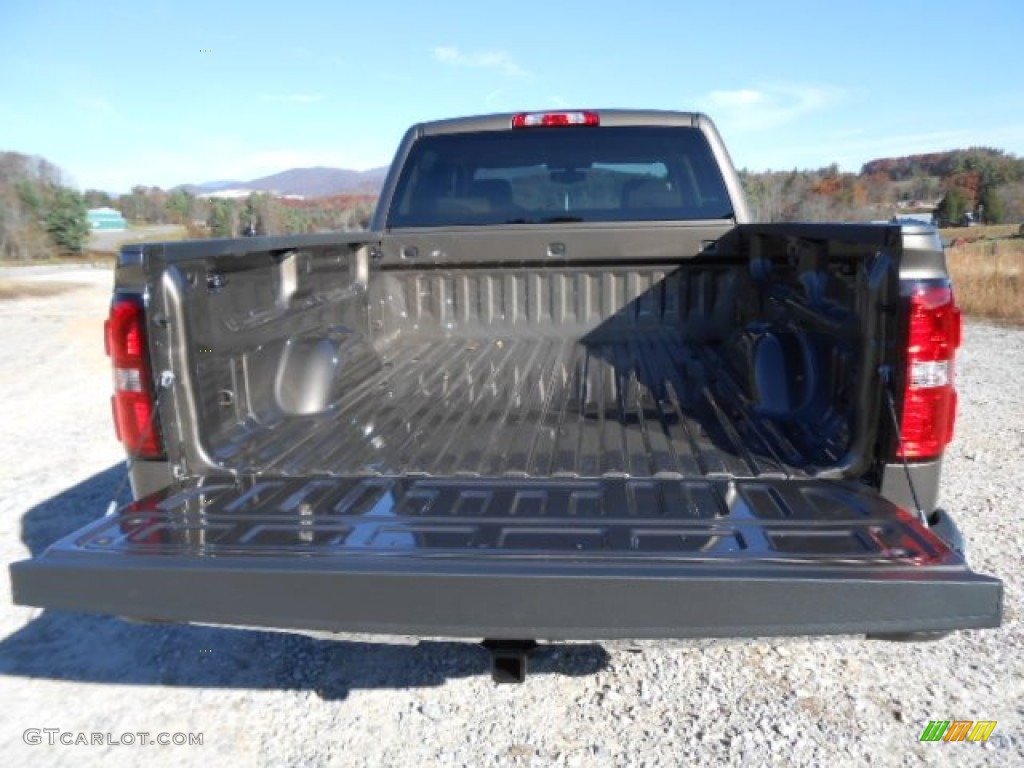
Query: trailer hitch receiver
<point>509,659</point>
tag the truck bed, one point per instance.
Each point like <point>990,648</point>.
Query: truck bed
<point>641,405</point>
<point>686,369</point>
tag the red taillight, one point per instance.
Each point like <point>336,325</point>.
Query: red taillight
<point>546,119</point>
<point>929,399</point>
<point>125,341</point>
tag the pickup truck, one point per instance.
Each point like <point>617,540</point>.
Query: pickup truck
<point>563,389</point>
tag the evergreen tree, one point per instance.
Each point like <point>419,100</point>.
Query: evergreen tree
<point>66,221</point>
<point>992,208</point>
<point>222,219</point>
<point>180,205</point>
<point>952,208</point>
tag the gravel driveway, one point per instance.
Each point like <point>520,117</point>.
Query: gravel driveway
<point>260,697</point>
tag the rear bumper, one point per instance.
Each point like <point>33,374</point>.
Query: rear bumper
<point>829,560</point>
<point>540,601</point>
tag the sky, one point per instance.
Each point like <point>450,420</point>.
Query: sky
<point>165,93</point>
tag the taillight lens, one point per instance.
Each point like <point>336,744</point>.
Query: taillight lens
<point>133,404</point>
<point>548,119</point>
<point>929,399</point>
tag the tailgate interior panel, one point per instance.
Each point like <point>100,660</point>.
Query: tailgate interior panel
<point>556,558</point>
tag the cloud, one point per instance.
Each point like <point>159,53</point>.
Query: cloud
<point>496,60</point>
<point>758,109</point>
<point>741,99</point>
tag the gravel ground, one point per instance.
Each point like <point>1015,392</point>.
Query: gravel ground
<point>265,698</point>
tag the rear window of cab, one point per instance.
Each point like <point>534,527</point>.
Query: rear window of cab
<point>559,174</point>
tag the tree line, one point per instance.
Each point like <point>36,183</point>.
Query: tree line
<point>994,162</point>
<point>986,183</point>
<point>43,216</point>
<point>258,214</point>
<point>40,213</point>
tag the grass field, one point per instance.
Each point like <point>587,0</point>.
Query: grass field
<point>986,232</point>
<point>988,277</point>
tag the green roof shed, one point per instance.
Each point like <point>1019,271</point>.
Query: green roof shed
<point>106,219</point>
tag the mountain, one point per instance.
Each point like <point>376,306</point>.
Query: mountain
<point>212,186</point>
<point>319,182</point>
<point>308,182</point>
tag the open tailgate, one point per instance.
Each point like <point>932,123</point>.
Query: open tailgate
<point>518,557</point>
